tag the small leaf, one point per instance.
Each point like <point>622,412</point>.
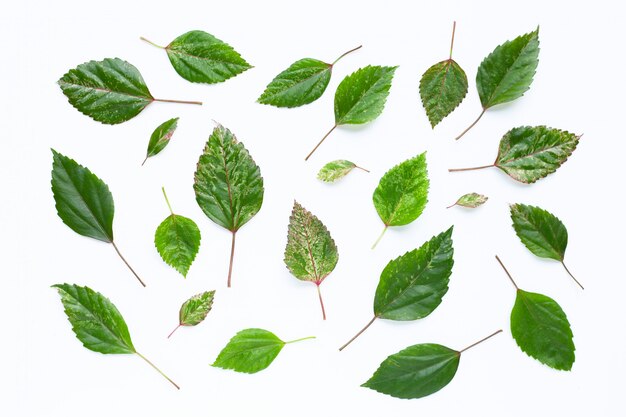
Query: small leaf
<point>528,154</point>
<point>228,183</point>
<point>311,253</point>
<point>471,200</point>
<point>442,88</point>
<point>200,57</point>
<point>336,170</point>
<point>177,240</point>
<point>160,138</point>
<point>194,310</point>
<point>402,193</point>
<point>251,351</point>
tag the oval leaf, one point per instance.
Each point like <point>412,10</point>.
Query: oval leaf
<point>361,96</point>
<point>416,371</point>
<point>471,200</point>
<point>302,83</point>
<point>442,88</point>
<point>83,201</point>
<point>177,240</point>
<point>110,91</point>
<point>160,138</point>
<point>507,72</point>
<point>249,351</point>
<point>95,320</point>
<point>540,231</point>
<point>336,170</point>
<point>195,310</point>
<point>540,328</point>
<point>413,285</point>
<point>200,57</point>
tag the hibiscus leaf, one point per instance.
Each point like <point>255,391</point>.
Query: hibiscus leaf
<point>470,200</point>
<point>335,170</point>
<point>194,310</point>
<point>160,138</point>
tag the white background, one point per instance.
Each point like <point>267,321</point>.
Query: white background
<point>579,87</point>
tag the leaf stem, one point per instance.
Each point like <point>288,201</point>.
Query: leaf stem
<point>127,264</point>
<point>176,328</point>
<point>507,273</point>
<point>151,43</point>
<point>319,293</point>
<point>481,340</point>
<point>380,236</point>
<point>450,206</point>
<point>361,168</point>
<point>452,41</point>
<point>359,333</point>
<point>346,53</point>
<point>162,100</point>
<point>144,161</point>
<point>320,142</point>
<point>157,369</point>
<point>470,169</point>
<point>167,200</point>
<point>570,274</point>
<point>472,125</point>
<point>301,339</point>
<point>232,256</point>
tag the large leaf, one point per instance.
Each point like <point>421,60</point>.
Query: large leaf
<point>83,201</point>
<point>540,231</point>
<point>311,253</point>
<point>335,170</point>
<point>507,72</point>
<point>470,200</point>
<point>110,91</point>
<point>95,320</point>
<point>540,328</point>
<point>160,138</point>
<point>416,371</point>
<point>228,183</point>
<point>402,192</point>
<point>251,351</point>
<point>302,83</point>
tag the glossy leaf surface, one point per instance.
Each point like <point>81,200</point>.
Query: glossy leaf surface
<point>250,351</point>
<point>161,136</point>
<point>442,88</point>
<point>540,231</point>
<point>302,83</point>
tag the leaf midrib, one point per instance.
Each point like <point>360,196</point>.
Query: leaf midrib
<point>150,100</point>
<point>211,60</point>
<point>529,155</point>
<point>293,86</point>
<point>339,122</point>
<point>562,258</point>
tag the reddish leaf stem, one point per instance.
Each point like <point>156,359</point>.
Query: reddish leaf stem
<point>319,293</point>
<point>470,169</point>
<point>471,126</point>
<point>361,168</point>
<point>507,273</point>
<point>359,333</point>
<point>346,53</point>
<point>176,328</point>
<point>320,142</point>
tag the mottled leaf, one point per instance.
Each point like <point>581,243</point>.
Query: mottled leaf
<point>302,83</point>
<point>160,138</point>
<point>336,170</point>
<point>470,200</point>
<point>195,310</point>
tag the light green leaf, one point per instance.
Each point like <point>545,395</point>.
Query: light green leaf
<point>177,240</point>
<point>311,253</point>
<point>336,170</point>
<point>470,200</point>
<point>402,193</point>
<point>200,57</point>
<point>160,138</point>
<point>194,310</point>
<point>228,183</point>
<point>251,351</point>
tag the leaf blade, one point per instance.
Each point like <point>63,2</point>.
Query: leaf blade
<point>249,351</point>
<point>161,136</point>
<point>195,309</point>
<point>442,88</point>
<point>335,170</point>
<point>540,231</point>
<point>471,200</point>
<point>302,83</point>
<point>177,239</point>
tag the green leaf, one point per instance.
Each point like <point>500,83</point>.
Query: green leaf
<point>442,88</point>
<point>540,328</point>
<point>177,240</point>
<point>402,192</point>
<point>110,91</point>
<point>83,201</point>
<point>200,57</point>
<point>228,183</point>
<point>95,320</point>
<point>361,96</point>
<point>416,371</point>
<point>507,72</point>
<point>302,83</point>
<point>336,170</point>
<point>160,138</point>
<point>251,351</point>
<point>311,253</point>
<point>540,231</point>
<point>195,310</point>
<point>470,200</point>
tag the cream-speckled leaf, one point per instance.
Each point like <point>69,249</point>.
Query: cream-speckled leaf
<point>194,310</point>
<point>471,200</point>
<point>160,138</point>
<point>336,170</point>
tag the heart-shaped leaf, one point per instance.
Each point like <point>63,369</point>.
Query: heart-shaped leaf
<point>160,138</point>
<point>336,170</point>
<point>194,310</point>
<point>470,200</point>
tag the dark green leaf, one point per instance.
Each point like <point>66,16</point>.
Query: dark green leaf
<point>416,371</point>
<point>470,200</point>
<point>507,72</point>
<point>110,91</point>
<point>442,88</point>
<point>95,320</point>
<point>540,328</point>
<point>302,83</point>
<point>540,231</point>
<point>83,201</point>
<point>160,138</point>
<point>195,310</point>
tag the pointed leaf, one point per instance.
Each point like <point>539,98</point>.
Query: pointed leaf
<point>200,57</point>
<point>471,200</point>
<point>335,170</point>
<point>416,371</point>
<point>83,201</point>
<point>228,183</point>
<point>540,328</point>
<point>302,83</point>
<point>177,240</point>
<point>250,351</point>
<point>413,285</point>
<point>361,96</point>
<point>507,72</point>
<point>402,192</point>
<point>442,88</point>
<point>528,154</point>
<point>195,310</point>
<point>95,320</point>
<point>161,136</point>
<point>311,253</point>
<point>540,231</point>
<point>110,91</point>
